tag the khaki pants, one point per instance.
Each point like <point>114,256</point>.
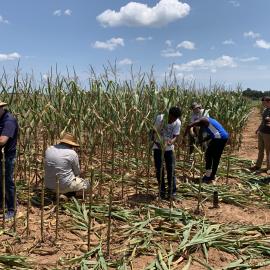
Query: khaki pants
<point>260,150</point>
<point>76,184</point>
<point>266,141</point>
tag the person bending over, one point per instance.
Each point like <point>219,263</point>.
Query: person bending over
<point>218,137</point>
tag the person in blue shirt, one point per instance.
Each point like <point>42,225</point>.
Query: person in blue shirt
<point>218,137</point>
<point>8,141</point>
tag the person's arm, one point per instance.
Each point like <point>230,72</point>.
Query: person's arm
<point>173,140</point>
<point>262,122</point>
<point>259,127</point>
<point>196,124</point>
<point>7,132</point>
<point>76,164</point>
<point>152,138</point>
<point>176,133</point>
<point>153,132</point>
<point>3,140</point>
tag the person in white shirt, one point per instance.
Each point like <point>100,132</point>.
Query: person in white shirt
<point>195,133</point>
<point>164,136</point>
<point>63,162</point>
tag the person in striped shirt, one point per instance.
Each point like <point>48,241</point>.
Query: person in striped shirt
<point>218,137</point>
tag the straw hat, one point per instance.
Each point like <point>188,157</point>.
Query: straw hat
<point>2,104</point>
<point>69,139</point>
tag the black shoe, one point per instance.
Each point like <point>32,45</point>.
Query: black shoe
<point>162,196</point>
<point>172,196</point>
<point>208,179</point>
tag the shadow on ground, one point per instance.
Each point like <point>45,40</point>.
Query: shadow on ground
<point>142,198</point>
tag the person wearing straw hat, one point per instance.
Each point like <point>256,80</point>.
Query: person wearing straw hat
<point>62,161</point>
<point>8,142</point>
<point>196,134</point>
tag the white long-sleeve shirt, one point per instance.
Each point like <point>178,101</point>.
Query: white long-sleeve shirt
<point>63,161</point>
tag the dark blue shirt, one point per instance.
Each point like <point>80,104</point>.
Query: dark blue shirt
<point>9,127</point>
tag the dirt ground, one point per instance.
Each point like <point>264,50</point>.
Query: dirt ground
<point>249,148</point>
<point>46,255</point>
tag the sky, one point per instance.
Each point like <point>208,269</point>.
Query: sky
<point>206,41</point>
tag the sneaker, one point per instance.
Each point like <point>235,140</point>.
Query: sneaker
<point>207,179</point>
<point>9,215</point>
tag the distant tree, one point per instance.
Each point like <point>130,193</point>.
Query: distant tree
<point>254,94</point>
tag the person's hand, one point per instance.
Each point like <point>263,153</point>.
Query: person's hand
<point>169,142</point>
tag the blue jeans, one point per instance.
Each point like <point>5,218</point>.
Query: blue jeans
<point>10,187</point>
<point>169,159</point>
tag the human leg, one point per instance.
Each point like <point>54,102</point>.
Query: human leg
<point>260,151</point>
<point>219,146</point>
<point>9,183</point>
<point>266,142</point>
<point>170,168</point>
<point>158,159</point>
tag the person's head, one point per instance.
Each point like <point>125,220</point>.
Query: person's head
<point>2,106</point>
<point>174,114</point>
<point>69,139</point>
<point>266,101</point>
<point>196,107</point>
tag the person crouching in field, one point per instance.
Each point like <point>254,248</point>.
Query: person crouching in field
<point>62,161</point>
<point>164,136</point>
<point>196,134</point>
<point>263,133</point>
<point>218,137</point>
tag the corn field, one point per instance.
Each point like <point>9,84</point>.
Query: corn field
<point>119,221</point>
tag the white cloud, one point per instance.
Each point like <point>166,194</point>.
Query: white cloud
<point>68,12</point>
<point>234,3</point>
<point>186,77</point>
<point>125,61</point>
<point>212,65</point>
<point>169,52</point>
<point>10,56</point>
<point>186,45</point>
<point>228,42</point>
<point>168,43</point>
<point>143,38</point>
<point>249,59</point>
<point>261,43</point>
<point>57,12</point>
<point>110,44</point>
<point>3,20</point>
<point>251,34</point>
<point>138,14</point>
